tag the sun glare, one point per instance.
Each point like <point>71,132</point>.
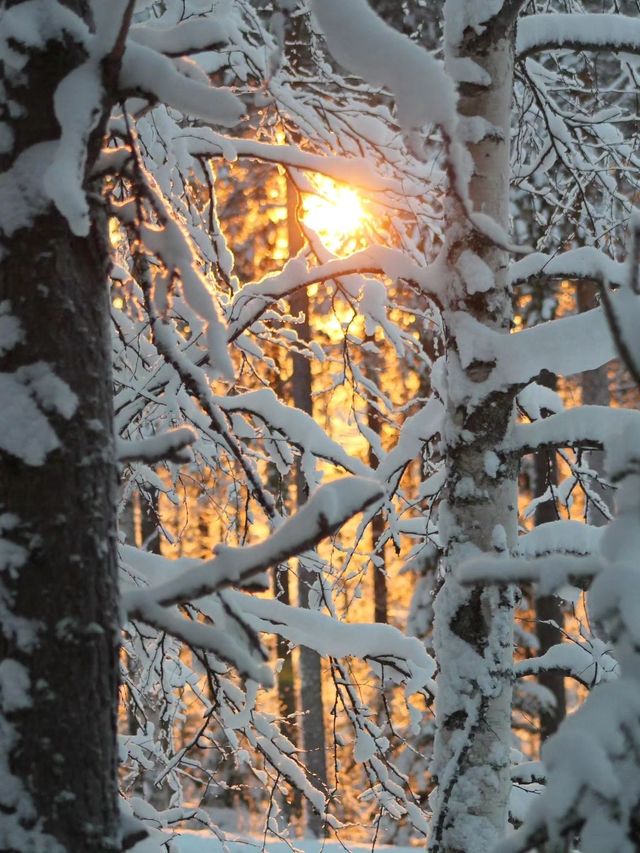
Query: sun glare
<point>337,214</point>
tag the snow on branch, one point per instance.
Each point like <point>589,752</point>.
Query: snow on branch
<point>196,34</point>
<point>550,573</point>
<point>148,73</point>
<point>173,446</point>
<point>397,656</point>
<point>584,264</point>
<point>557,346</point>
<point>416,431</point>
<point>203,636</point>
<point>368,47</point>
<point>324,513</point>
<point>299,427</point>
<point>552,555</point>
<point>355,171</point>
<point>589,664</point>
<point>564,536</point>
<point>254,298</point>
<point>594,427</point>
<point>557,31</point>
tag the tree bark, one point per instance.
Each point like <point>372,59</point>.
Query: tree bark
<point>58,610</point>
<point>549,613</point>
<point>313,732</point>
<point>473,635</point>
<point>595,392</point>
<point>380,596</point>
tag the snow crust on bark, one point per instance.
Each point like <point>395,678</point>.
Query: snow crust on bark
<point>474,626</point>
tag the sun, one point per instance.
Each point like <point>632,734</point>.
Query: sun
<point>336,213</point>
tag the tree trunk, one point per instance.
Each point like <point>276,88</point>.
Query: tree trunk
<point>281,575</point>
<point>292,804</point>
<point>548,607</point>
<point>59,617</point>
<point>313,734</point>
<point>374,422</point>
<point>474,626</point>
<point>286,685</point>
<point>149,533</point>
<point>595,392</point>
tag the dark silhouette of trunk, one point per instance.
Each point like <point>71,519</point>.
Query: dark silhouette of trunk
<point>149,533</point>
<point>380,597</point>
<point>311,704</point>
<point>286,683</point>
<point>313,734</point>
<point>595,392</point>
<point>286,677</point>
<point>59,613</point>
<point>281,575</point>
<point>549,614</point>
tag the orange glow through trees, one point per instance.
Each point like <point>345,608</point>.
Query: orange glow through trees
<point>337,214</point>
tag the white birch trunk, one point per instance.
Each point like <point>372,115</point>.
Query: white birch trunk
<point>473,626</point>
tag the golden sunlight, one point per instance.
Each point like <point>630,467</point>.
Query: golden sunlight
<point>336,213</point>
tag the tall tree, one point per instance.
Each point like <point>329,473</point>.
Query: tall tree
<point>311,698</point>
<point>57,461</point>
<point>548,608</point>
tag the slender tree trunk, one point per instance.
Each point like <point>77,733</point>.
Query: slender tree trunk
<point>380,597</point>
<point>149,533</point>
<point>595,392</point>
<point>549,613</point>
<point>281,575</point>
<point>311,703</point>
<point>474,626</point>
<point>313,733</point>
<point>58,612</point>
<point>286,684</point>
<point>292,805</point>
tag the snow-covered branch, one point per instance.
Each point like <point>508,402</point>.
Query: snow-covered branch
<point>254,298</point>
<point>174,446</point>
<point>571,32</point>
<point>145,72</point>
<point>325,512</point>
<point>550,573</point>
<point>584,264</point>
<point>595,427</point>
<point>391,653</point>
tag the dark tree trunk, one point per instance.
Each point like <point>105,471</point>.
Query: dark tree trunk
<point>595,392</point>
<point>58,611</point>
<point>286,685</point>
<point>380,597</point>
<point>149,533</point>
<point>549,614</point>
<point>281,577</point>
<point>59,615</point>
<point>311,705</point>
<point>313,734</point>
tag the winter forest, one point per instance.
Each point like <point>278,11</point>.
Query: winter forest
<point>319,426</point>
